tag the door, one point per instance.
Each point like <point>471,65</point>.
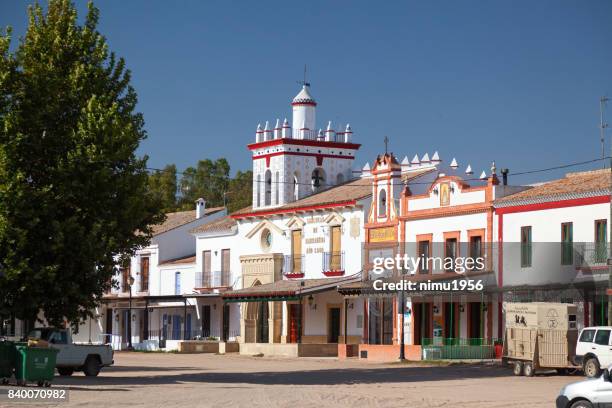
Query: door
<point>109,326</point>
<point>176,327</point>
<point>226,322</point>
<point>188,327</point>
<point>450,320</point>
<point>294,323</point>
<point>125,326</point>
<point>475,320</point>
<point>262,323</point>
<point>296,251</point>
<point>334,325</point>
<point>205,321</point>
<point>335,254</point>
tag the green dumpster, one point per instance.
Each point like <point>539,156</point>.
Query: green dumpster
<point>7,360</point>
<point>35,364</point>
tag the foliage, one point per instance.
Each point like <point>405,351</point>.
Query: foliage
<point>163,185</point>
<point>240,193</point>
<point>73,194</point>
<point>208,180</point>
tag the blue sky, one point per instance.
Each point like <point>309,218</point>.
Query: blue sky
<point>517,82</point>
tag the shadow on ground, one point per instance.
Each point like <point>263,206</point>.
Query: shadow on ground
<point>308,377</point>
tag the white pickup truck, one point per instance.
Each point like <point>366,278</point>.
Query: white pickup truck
<point>89,358</point>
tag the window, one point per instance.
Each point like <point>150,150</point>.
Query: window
<point>225,267</point>
<point>382,203</point>
<point>144,273</point>
<point>587,336</point>
<point>335,250</point>
<point>177,283</point>
<point>318,179</point>
<point>206,270</point>
<point>268,186</point>
<point>450,251</point>
<point>602,337</point>
<point>424,249</point>
<point>296,185</point>
<point>567,250</point>
<point>526,247</point>
<point>601,238</point>
<point>266,239</point>
<point>476,251</point>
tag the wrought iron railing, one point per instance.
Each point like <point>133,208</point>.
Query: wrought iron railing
<point>293,264</point>
<point>333,261</point>
<point>214,279</point>
<point>591,254</point>
<point>460,348</point>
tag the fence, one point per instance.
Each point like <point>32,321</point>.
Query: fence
<point>460,348</point>
<point>293,264</point>
<point>333,261</point>
<point>213,279</point>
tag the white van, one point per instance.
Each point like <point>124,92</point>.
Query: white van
<point>594,350</point>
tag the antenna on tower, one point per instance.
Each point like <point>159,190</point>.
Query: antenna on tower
<point>304,82</point>
<point>602,125</point>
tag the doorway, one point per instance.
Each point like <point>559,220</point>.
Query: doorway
<point>226,322</point>
<point>205,321</point>
<point>109,326</point>
<point>295,317</point>
<point>422,321</point>
<point>262,323</point>
<point>475,320</point>
<point>334,325</point>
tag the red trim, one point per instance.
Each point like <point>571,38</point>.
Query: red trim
<point>500,252</point>
<point>317,155</point>
<point>304,103</point>
<point>294,275</point>
<point>296,209</point>
<point>334,273</point>
<point>303,142</point>
<point>554,204</point>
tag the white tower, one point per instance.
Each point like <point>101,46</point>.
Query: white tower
<point>299,163</point>
<point>304,120</point>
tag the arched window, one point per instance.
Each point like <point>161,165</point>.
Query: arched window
<point>268,200</point>
<point>339,178</point>
<point>318,179</point>
<point>296,186</point>
<point>258,190</point>
<point>382,203</point>
<point>276,188</point>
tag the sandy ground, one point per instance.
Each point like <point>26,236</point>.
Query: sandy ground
<point>206,380</point>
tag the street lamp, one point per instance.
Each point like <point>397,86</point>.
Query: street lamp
<point>402,356</point>
<point>129,328</point>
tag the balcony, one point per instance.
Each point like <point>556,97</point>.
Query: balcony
<point>293,266</point>
<point>215,279</point>
<point>591,255</point>
<point>333,263</point>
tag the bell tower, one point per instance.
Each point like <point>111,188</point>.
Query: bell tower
<point>290,163</point>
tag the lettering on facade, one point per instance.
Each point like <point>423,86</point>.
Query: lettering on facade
<point>382,234</point>
<point>318,241</point>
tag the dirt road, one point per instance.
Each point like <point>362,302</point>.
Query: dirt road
<point>206,380</point>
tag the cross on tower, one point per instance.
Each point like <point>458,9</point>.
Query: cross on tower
<point>386,140</point>
<point>303,82</point>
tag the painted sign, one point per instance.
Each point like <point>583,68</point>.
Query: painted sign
<point>382,234</point>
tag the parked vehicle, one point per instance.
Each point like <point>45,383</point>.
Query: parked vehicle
<point>540,335</point>
<point>594,349</point>
<point>89,358</point>
<point>589,393</point>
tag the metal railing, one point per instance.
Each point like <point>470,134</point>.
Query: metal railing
<point>171,333</point>
<point>293,264</point>
<point>333,261</point>
<point>591,254</point>
<point>460,348</point>
<point>213,279</point>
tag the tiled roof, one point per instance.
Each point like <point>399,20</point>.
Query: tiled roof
<point>287,287</point>
<point>573,185</point>
<point>176,219</point>
<point>349,191</point>
<point>184,260</point>
<point>223,224</point>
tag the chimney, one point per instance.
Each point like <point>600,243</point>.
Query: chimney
<point>200,207</point>
<point>504,173</point>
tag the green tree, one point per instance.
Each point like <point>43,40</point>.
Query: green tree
<point>73,194</point>
<point>163,184</point>
<point>240,193</point>
<point>208,180</point>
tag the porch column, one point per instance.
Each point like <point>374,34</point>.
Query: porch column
<point>345,320</point>
<point>184,318</point>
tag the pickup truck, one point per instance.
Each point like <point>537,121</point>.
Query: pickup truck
<point>89,358</point>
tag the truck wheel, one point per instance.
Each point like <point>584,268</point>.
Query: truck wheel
<point>591,368</point>
<point>582,404</point>
<point>517,369</point>
<point>528,370</point>
<point>91,368</point>
<point>65,371</point>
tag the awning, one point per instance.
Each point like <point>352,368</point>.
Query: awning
<point>286,289</point>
